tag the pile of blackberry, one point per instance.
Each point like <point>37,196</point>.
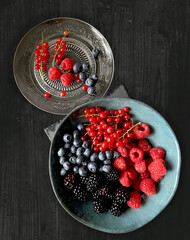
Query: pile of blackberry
<point>103,188</point>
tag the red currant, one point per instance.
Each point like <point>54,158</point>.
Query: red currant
<point>56,49</point>
<point>102,123</point>
<point>110,130</point>
<point>111,112</point>
<point>127,116</point>
<point>92,134</point>
<point>98,119</point>
<point>47,95</point>
<point>98,109</point>
<point>126,109</point>
<point>125,141</point>
<point>54,55</point>
<point>116,135</point>
<point>37,66</point>
<point>92,119</point>
<point>102,149</point>
<point>86,111</point>
<point>41,58</point>
<point>109,120</point>
<point>102,115</point>
<point>64,44</point>
<point>46,60</point>
<point>127,125</point>
<point>59,39</point>
<point>92,110</point>
<point>121,111</point>
<point>119,144</point>
<point>46,55</point>
<point>37,60</point>
<point>99,138</point>
<point>100,132</point>
<point>96,142</point>
<point>89,141</point>
<point>104,144</point>
<point>58,60</point>
<point>85,87</point>
<point>96,149</point>
<point>119,131</point>
<point>63,93</point>
<point>105,126</point>
<point>45,44</point>
<point>66,33</point>
<point>130,135</point>
<point>76,75</point>
<point>116,112</point>
<point>107,112</point>
<point>39,46</point>
<point>37,53</point>
<point>117,119</point>
<point>79,81</point>
<point>44,68</point>
<point>110,139</point>
<point>60,55</point>
<point>83,138</point>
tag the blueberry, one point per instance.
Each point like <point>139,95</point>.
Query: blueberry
<point>67,165</point>
<point>87,152</point>
<point>101,168</point>
<point>80,127</point>
<point>63,172</point>
<point>76,134</point>
<point>77,142</point>
<point>109,154</point>
<point>69,154</point>
<point>67,137</point>
<point>102,156</point>
<point>72,159</point>
<point>91,91</point>
<point>67,146</point>
<point>116,154</point>
<point>82,171</point>
<point>89,82</point>
<point>77,67</point>
<point>61,152</point>
<point>94,77</point>
<point>79,160</point>
<point>62,160</point>
<point>82,76</point>
<point>85,162</point>
<point>75,169</point>
<point>107,161</point>
<point>94,157</point>
<point>85,144</point>
<point>95,52</point>
<point>92,167</point>
<point>79,151</point>
<point>73,149</point>
<point>85,67</point>
<point>107,168</point>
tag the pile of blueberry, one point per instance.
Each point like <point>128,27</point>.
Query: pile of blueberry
<point>77,156</point>
<point>82,69</point>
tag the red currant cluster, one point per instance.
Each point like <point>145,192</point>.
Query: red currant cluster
<point>42,56</point>
<point>60,48</point>
<point>108,129</point>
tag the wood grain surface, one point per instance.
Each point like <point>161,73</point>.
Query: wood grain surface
<point>150,41</point>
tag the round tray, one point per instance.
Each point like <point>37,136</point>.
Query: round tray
<point>82,39</point>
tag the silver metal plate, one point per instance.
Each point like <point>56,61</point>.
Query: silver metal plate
<point>82,38</point>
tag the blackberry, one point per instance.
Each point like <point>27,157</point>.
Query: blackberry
<point>69,181</point>
<point>121,196</point>
<point>100,206</point>
<point>105,191</point>
<point>93,182</point>
<point>84,180</point>
<point>117,209</point>
<point>80,192</point>
<point>113,175</point>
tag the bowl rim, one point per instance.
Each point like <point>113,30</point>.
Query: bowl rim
<point>36,26</point>
<point>94,226</point>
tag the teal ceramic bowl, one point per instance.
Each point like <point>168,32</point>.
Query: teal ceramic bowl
<point>162,135</point>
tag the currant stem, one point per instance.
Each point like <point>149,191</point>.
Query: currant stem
<point>129,129</point>
<point>40,54</point>
<point>57,51</point>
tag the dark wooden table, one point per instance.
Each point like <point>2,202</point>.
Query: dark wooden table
<point>151,45</point>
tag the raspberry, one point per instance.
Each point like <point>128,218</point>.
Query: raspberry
<point>135,200</point>
<point>136,185</point>
<point>67,79</point>
<point>148,186</point>
<point>67,64</point>
<point>141,131</point>
<point>144,175</point>
<point>129,162</point>
<point>144,145</point>
<point>136,154</point>
<point>157,153</point>
<point>120,164</point>
<point>54,73</point>
<point>128,177</point>
<point>148,161</point>
<point>156,178</point>
<point>130,145</point>
<point>140,166</point>
<point>122,151</point>
<point>157,168</point>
